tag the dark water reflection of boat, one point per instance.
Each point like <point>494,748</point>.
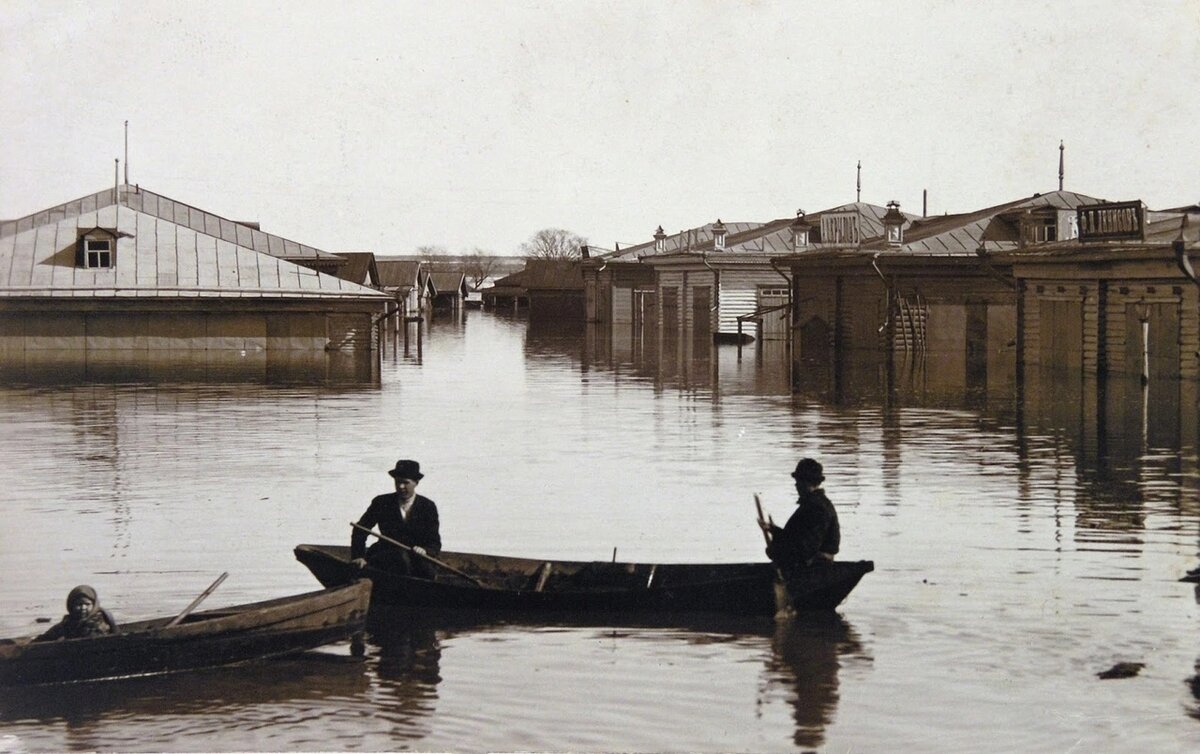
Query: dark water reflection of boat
<point>301,679</point>
<point>803,654</point>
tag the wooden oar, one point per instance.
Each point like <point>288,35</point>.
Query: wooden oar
<point>430,558</point>
<point>782,598</point>
<point>187,610</point>
<point>762,520</point>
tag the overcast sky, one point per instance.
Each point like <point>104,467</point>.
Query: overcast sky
<point>385,126</point>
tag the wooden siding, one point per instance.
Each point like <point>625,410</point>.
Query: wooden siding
<point>136,332</point>
<point>622,306</point>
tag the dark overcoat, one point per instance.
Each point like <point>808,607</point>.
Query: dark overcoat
<point>420,530</point>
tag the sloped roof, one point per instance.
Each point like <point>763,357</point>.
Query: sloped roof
<point>964,233</point>
<point>394,273</point>
<point>155,258</point>
<point>697,239</point>
<point>359,268</point>
<point>446,282</point>
<point>956,235</point>
<point>184,215</point>
<point>545,274</point>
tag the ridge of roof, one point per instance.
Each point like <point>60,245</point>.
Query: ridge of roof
<point>172,210</point>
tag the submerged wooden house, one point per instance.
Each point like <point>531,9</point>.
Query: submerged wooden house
<point>1118,297</point>
<point>407,282</point>
<point>449,289</point>
<point>551,288</point>
<point>125,271</point>
<point>927,290</point>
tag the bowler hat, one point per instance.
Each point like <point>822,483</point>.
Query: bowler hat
<point>808,470</point>
<point>406,469</point>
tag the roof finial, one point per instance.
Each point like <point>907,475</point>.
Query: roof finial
<point>1061,149</point>
<point>858,185</point>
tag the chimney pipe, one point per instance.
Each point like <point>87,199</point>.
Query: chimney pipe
<point>924,202</point>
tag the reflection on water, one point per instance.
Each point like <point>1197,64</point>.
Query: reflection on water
<point>279,367</point>
<point>807,653</point>
<point>198,703</point>
<point>1050,518</point>
<point>801,657</point>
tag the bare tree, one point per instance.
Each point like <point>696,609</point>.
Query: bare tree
<point>478,266</point>
<point>431,250</point>
<point>553,243</point>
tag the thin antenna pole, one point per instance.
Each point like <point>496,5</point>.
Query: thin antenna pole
<point>858,184</point>
<point>1061,149</point>
<point>126,153</point>
<point>116,179</point>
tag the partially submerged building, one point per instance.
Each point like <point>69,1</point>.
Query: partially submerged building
<point>124,272</point>
<point>1119,297</point>
<point>919,289</point>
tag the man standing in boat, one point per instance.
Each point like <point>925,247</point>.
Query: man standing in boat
<point>404,516</point>
<point>812,535</point>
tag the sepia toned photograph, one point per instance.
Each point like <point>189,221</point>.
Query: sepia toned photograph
<point>591,376</point>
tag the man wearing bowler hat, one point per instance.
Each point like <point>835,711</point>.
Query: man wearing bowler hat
<point>404,516</point>
<point>812,535</point>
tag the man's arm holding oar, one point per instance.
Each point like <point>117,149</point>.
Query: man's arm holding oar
<point>420,552</point>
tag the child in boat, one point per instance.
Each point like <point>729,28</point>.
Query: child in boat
<point>84,617</point>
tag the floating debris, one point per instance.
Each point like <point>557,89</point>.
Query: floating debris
<point>1122,670</point>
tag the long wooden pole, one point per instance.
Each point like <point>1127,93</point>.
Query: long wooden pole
<point>187,610</point>
<point>430,558</point>
<point>762,519</point>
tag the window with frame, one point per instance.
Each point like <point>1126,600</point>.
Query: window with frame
<point>97,253</point>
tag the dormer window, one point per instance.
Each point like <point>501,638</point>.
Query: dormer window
<point>1040,229</point>
<point>96,249</point>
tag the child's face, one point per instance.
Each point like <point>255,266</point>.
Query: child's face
<point>80,607</point>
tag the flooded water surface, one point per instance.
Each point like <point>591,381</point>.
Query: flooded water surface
<point>1025,540</point>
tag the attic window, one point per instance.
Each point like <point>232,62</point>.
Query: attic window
<point>1041,230</point>
<point>96,249</point>
<point>97,253</point>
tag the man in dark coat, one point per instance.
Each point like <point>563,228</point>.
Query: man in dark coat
<point>404,516</point>
<point>84,617</point>
<point>812,535</point>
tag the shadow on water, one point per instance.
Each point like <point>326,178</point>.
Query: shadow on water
<point>301,679</point>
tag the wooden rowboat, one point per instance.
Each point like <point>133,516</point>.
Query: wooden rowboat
<point>494,582</point>
<point>203,639</point>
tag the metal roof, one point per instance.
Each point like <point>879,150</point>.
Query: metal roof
<point>155,258</point>
<point>692,239</point>
<point>142,200</point>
